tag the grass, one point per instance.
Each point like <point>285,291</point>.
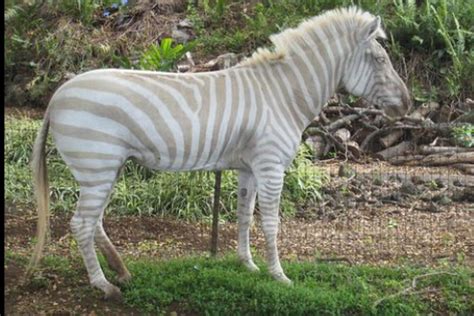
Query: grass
<point>187,195</point>
<point>206,286</point>
<point>223,286</point>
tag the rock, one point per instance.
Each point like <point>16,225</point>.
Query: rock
<point>185,24</point>
<point>227,60</point>
<point>69,75</point>
<point>318,144</point>
<point>180,36</point>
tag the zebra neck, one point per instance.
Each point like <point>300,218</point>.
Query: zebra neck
<point>314,76</point>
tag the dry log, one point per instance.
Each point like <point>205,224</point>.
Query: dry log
<point>428,150</point>
<point>434,160</point>
<point>342,121</point>
<point>399,160</point>
<point>343,135</point>
<point>394,151</point>
<point>465,167</point>
<point>439,159</point>
<point>353,147</point>
<point>391,138</point>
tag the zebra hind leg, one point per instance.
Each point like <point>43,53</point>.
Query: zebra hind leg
<point>84,224</point>
<point>111,255</point>
<point>245,207</point>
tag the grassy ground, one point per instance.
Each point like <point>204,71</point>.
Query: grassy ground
<point>203,286</point>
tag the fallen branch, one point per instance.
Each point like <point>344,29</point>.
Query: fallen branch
<point>434,160</point>
<point>465,167</point>
<point>394,151</point>
<point>391,138</point>
<point>427,150</point>
<point>411,289</point>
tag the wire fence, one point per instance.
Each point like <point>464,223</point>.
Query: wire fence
<point>377,213</point>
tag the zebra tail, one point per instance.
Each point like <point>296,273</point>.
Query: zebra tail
<point>40,181</point>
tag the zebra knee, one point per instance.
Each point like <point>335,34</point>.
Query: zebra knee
<point>83,229</point>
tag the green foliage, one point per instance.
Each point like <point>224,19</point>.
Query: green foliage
<point>163,57</point>
<point>214,9</point>
<point>464,135</point>
<point>223,286</point>
<point>441,32</point>
<point>431,41</point>
<point>187,195</point>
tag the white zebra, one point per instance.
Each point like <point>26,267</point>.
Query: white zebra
<point>249,118</point>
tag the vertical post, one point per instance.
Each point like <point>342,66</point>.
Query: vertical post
<point>215,213</point>
<point>228,60</point>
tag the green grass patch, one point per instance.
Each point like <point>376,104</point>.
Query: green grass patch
<point>187,195</point>
<point>223,286</point>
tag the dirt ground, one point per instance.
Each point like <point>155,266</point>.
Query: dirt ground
<point>409,230</point>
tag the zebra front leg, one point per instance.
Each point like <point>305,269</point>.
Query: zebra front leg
<point>269,186</point>
<point>245,207</point>
<point>111,255</point>
<point>83,225</point>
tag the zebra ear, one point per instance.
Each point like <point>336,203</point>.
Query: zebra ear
<point>372,30</point>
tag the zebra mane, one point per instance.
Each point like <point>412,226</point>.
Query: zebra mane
<point>351,18</point>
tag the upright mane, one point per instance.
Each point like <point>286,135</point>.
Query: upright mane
<point>350,19</point>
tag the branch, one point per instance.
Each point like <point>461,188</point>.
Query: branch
<point>411,289</point>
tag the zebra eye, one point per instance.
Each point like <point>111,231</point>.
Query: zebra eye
<point>380,60</point>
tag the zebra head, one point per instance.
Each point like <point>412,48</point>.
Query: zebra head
<point>369,73</point>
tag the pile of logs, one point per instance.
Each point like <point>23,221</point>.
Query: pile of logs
<point>423,137</point>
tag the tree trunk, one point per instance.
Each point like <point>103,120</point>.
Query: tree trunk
<point>215,213</point>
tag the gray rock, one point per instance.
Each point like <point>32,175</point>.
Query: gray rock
<point>180,36</point>
<point>185,24</point>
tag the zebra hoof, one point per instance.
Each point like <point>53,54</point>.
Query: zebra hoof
<point>113,294</point>
<point>282,278</point>
<point>252,267</point>
<point>124,278</point>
